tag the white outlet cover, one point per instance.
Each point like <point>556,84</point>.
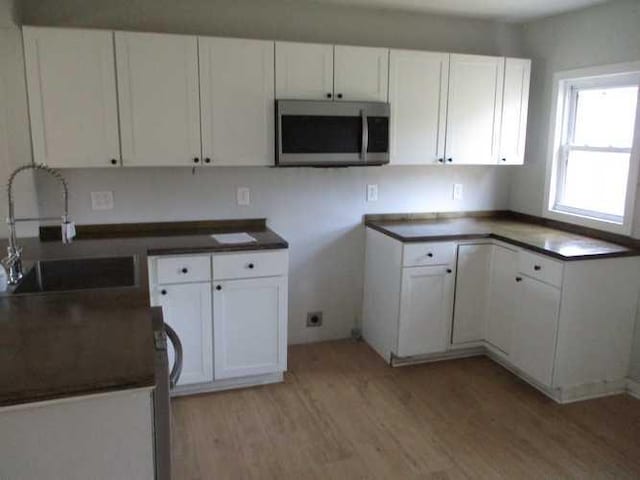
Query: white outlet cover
<point>458,191</point>
<point>372,193</point>
<point>102,200</point>
<point>243,196</point>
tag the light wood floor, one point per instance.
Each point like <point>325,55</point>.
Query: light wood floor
<point>342,413</point>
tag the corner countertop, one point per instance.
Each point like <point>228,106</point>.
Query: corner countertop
<point>57,345</point>
<point>557,243</point>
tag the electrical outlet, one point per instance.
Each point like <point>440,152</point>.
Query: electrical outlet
<point>457,191</point>
<point>314,319</point>
<point>372,193</point>
<point>101,200</point>
<point>243,196</point>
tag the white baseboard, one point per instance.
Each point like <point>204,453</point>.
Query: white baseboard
<point>437,357</point>
<point>228,384</point>
<point>633,388</point>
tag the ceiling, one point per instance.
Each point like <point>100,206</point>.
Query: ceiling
<point>504,10</point>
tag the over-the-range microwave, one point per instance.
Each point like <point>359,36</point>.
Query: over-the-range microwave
<point>331,134</point>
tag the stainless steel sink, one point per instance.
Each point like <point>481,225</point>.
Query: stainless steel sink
<point>79,274</point>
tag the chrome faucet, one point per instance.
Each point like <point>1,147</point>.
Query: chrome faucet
<point>13,261</point>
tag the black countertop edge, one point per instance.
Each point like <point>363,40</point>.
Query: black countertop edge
<point>479,236</point>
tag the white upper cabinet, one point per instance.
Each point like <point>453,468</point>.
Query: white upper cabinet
<point>72,97</point>
<point>515,103</point>
<point>474,106</point>
<point>304,71</point>
<point>158,98</point>
<point>360,73</point>
<point>237,98</point>
<point>418,84</point>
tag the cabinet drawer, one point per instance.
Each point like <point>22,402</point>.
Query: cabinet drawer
<point>419,254</point>
<point>250,264</point>
<point>541,268</point>
<point>182,269</point>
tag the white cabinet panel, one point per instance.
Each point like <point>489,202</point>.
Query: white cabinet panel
<point>158,95</point>
<point>474,264</point>
<point>237,97</point>
<point>72,97</point>
<point>418,83</point>
<point>502,298</point>
<point>361,73</point>
<point>187,309</point>
<point>515,104</point>
<point>250,321</point>
<point>304,71</point>
<point>474,105</point>
<point>535,329</point>
<point>425,310</point>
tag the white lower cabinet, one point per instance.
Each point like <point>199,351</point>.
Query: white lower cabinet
<point>502,298</point>
<point>535,329</point>
<point>249,324</point>
<point>232,322</point>
<point>425,310</point>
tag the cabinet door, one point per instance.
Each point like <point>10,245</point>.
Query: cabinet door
<point>515,104</point>
<point>426,301</point>
<point>72,97</point>
<point>158,98</point>
<point>474,264</point>
<point>475,95</point>
<point>535,329</point>
<point>501,308</point>
<point>187,309</point>
<point>418,83</point>
<point>250,326</point>
<point>236,94</point>
<point>361,73</point>
<point>304,71</point>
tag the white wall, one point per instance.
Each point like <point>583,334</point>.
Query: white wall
<point>318,211</point>
<point>598,35</point>
<point>15,148</point>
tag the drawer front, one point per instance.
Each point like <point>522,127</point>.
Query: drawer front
<point>183,269</point>
<point>539,267</point>
<point>425,254</point>
<point>227,266</point>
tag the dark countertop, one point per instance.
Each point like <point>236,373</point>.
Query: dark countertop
<point>57,345</point>
<point>554,242</point>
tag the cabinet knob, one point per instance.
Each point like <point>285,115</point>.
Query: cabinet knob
<point>518,279</point>
<point>184,270</point>
<point>250,265</point>
<point>163,292</point>
<point>537,268</point>
<point>441,160</point>
<point>503,159</point>
<point>196,160</point>
<point>207,160</point>
<point>114,161</point>
<point>329,95</point>
<point>218,287</point>
<point>429,254</point>
<point>450,160</point>
<point>339,95</point>
<point>449,270</point>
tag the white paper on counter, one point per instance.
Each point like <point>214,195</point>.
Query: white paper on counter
<point>231,238</point>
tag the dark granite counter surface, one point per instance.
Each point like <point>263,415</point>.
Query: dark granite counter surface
<point>561,244</point>
<point>55,345</point>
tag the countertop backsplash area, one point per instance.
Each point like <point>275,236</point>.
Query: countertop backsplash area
<point>318,211</point>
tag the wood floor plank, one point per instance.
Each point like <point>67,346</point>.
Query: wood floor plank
<point>343,413</point>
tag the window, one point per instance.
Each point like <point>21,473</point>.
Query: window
<point>594,160</point>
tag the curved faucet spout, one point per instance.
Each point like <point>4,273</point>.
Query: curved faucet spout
<point>13,261</point>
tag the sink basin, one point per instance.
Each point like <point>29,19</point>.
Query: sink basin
<point>78,274</point>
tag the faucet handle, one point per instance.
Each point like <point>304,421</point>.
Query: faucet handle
<point>68,231</point>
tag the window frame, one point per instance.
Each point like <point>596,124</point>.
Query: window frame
<point>566,87</point>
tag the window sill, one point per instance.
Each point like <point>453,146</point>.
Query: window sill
<point>586,221</point>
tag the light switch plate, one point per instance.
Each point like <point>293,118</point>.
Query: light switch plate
<point>102,200</point>
<point>372,193</point>
<point>243,196</point>
<point>458,191</point>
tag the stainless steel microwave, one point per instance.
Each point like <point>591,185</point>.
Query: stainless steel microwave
<point>331,134</point>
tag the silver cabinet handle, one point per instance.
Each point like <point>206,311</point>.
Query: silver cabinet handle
<point>176,370</point>
<point>365,136</point>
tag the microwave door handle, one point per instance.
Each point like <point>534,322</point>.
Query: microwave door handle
<point>176,370</point>
<point>365,136</point>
